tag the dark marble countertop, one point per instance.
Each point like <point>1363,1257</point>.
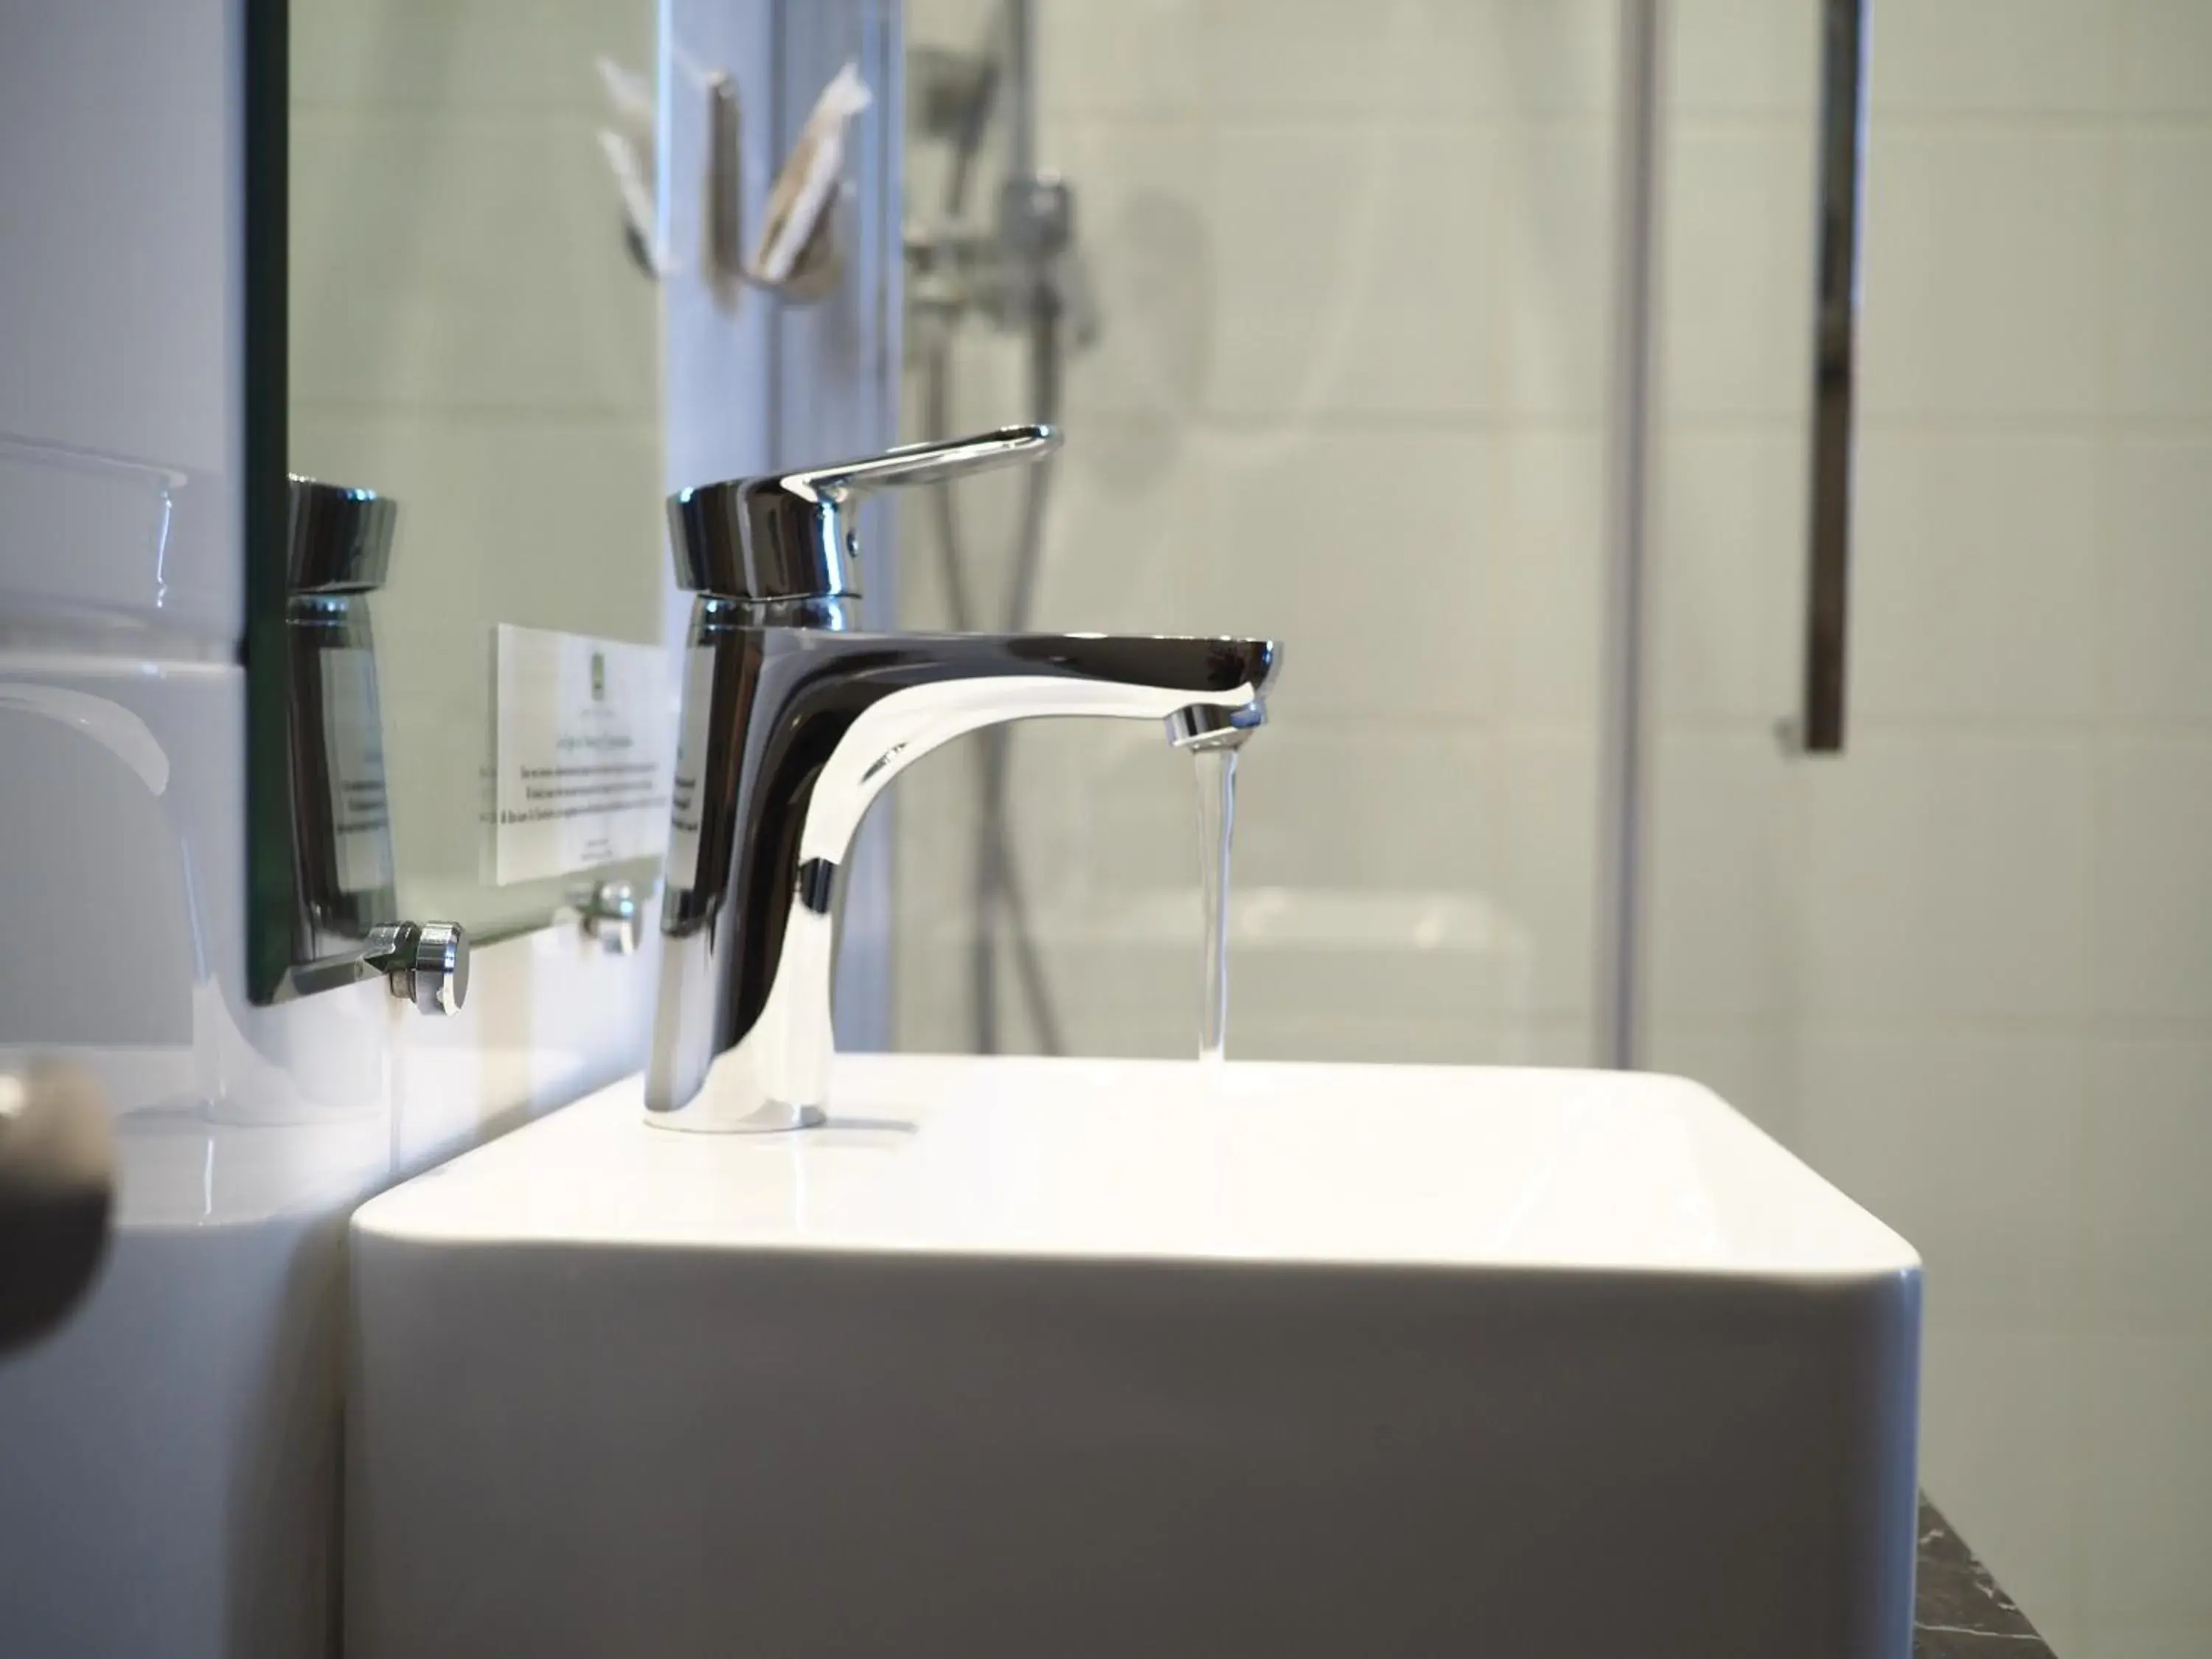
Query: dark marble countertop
<point>1959,1612</point>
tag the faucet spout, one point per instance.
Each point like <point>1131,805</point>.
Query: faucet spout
<point>789,735</point>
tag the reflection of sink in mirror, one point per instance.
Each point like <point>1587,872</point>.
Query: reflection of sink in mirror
<point>1024,1357</point>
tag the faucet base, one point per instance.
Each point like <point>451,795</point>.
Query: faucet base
<point>701,1116</point>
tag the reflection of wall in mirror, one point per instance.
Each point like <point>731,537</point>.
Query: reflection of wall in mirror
<point>469,335</point>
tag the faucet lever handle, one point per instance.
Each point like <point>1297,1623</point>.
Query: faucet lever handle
<point>787,536</point>
<point>922,464</point>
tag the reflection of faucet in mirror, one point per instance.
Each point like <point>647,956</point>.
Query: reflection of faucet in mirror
<point>345,926</point>
<point>338,547</point>
<point>792,724</point>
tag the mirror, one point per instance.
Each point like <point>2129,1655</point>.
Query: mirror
<point>470,333</point>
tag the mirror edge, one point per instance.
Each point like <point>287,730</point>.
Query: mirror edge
<point>270,875</point>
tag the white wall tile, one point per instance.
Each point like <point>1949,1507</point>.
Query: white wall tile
<point>1726,871</point>
<point>2147,1472</point>
<point>1742,56</point>
<point>1139,518</point>
<point>518,1046</point>
<point>1494,836</point>
<point>1545,531</point>
<point>2150,958</point>
<point>1122,986</point>
<point>1390,1004</point>
<point>1148,55</point>
<point>120,266</point>
<point>1150,245</point>
<point>1726,605</point>
<point>1735,292</point>
<point>1362,808</point>
<point>1386,612</point>
<point>1105,807</point>
<point>1960,57</point>
<point>2165,49</point>
<point>2163,351</point>
<point>982,388</point>
<point>1541,57</point>
<point>1974,576</point>
<point>473,258</point>
<point>1370,1036</point>
<point>1328,315</point>
<point>2121,1637</point>
<point>2147,1181</point>
<point>418,53</point>
<point>1395,279</point>
<point>1947,877</point>
<point>1451,58</point>
<point>1898,1119</point>
<point>83,832</point>
<point>1986,262</point>
<point>950,22</point>
<point>2158,532</point>
<point>1999,1406</point>
<point>1754,1065</point>
<point>598,547</point>
<point>1546,881</point>
<point>1551,232</point>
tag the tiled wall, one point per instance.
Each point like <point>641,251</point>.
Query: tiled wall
<point>469,335</point>
<point>171,1455</point>
<point>1968,969</point>
<point>1352,263</point>
<point>1352,260</point>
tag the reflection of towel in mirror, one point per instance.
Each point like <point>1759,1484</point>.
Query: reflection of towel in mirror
<point>628,146</point>
<point>807,186</point>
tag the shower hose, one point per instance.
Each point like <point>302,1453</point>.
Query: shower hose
<point>1001,901</point>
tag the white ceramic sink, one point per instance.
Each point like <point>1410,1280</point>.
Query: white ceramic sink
<point>1065,1358</point>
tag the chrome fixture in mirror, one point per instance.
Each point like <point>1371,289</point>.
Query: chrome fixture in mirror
<point>612,916</point>
<point>340,547</point>
<point>343,904</point>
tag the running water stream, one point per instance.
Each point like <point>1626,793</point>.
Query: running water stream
<point>1216,828</point>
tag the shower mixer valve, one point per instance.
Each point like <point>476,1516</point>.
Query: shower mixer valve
<point>1026,270</point>
<point>794,722</point>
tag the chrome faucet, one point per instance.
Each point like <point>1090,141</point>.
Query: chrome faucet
<point>793,723</point>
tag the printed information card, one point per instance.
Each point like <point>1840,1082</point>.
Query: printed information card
<point>583,732</point>
<point>353,744</point>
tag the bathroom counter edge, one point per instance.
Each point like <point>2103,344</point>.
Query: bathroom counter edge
<point>1960,1611</point>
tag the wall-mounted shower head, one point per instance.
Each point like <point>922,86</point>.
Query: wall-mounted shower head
<point>950,93</point>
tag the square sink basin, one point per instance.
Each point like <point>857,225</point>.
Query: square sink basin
<point>1066,1359</point>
